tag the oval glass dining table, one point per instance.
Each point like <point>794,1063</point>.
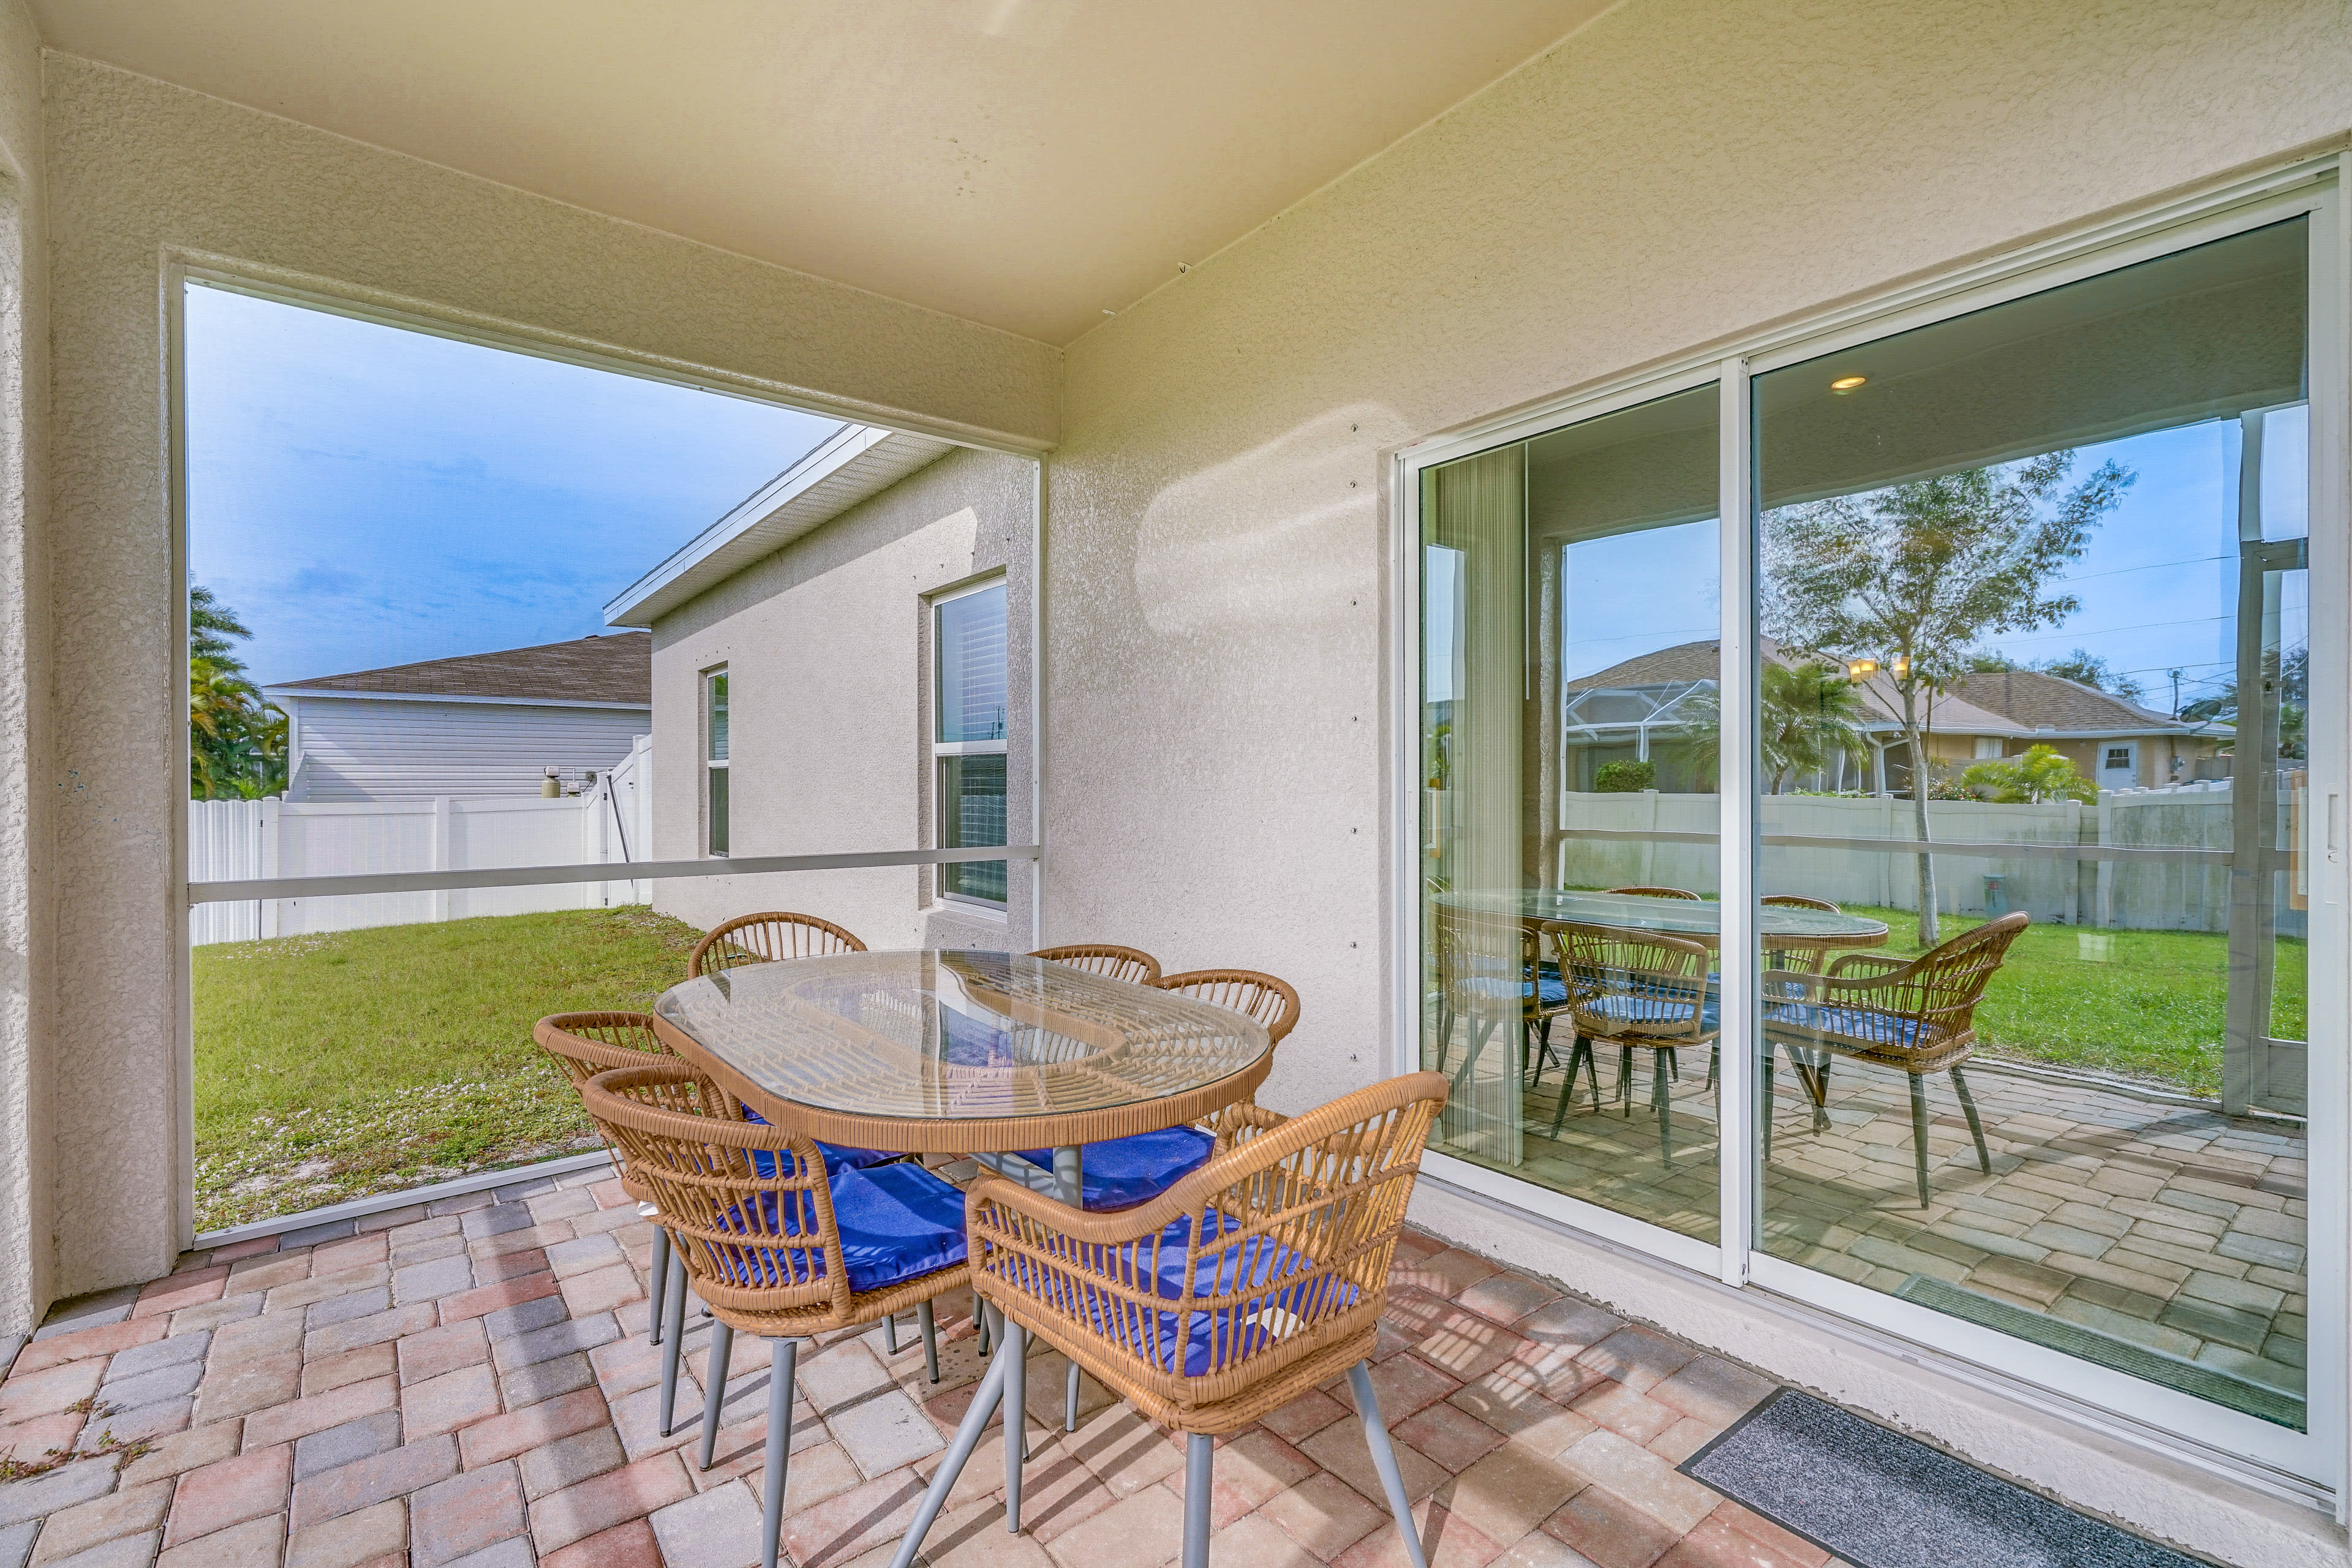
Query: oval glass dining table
<point>1778,925</point>
<point>985,1054</point>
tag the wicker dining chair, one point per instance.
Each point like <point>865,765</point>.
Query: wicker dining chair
<point>1634,989</point>
<point>1917,1014</point>
<point>583,1044</point>
<point>777,1243</point>
<point>1656,892</point>
<point>1477,981</point>
<point>767,938</point>
<point>1806,959</point>
<point>1251,1283</point>
<point>1112,962</point>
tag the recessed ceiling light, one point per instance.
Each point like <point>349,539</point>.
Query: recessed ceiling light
<point>1847,383</point>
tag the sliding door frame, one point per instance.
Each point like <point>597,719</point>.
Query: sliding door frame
<point>2309,1464</point>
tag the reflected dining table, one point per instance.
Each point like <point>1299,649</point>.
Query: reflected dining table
<point>985,1054</point>
<point>1780,926</point>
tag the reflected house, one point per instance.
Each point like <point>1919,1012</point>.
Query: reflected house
<point>1660,707</point>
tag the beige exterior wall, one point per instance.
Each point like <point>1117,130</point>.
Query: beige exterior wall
<point>28,779</point>
<point>828,653</point>
<point>140,171</point>
<point>1677,173</point>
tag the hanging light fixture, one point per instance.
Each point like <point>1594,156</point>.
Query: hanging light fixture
<point>1858,671</point>
<point>1901,669</point>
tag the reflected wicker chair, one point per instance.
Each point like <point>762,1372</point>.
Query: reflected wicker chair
<point>1478,982</point>
<point>1644,892</point>
<point>1249,1284</point>
<point>1917,1014</point>
<point>777,1242</point>
<point>1634,989</point>
<point>1112,962</point>
<point>767,938</point>
<point>1806,959</point>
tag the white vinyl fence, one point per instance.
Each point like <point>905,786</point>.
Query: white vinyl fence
<point>235,840</point>
<point>2137,893</point>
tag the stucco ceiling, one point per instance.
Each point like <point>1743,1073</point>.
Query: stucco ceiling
<point>1028,164</point>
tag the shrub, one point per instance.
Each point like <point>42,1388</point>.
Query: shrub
<point>2043,772</point>
<point>1624,778</point>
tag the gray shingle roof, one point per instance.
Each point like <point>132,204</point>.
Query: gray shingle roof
<point>617,667</point>
<point>2049,702</point>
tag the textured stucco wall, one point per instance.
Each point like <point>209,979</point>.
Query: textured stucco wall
<point>1677,173</point>
<point>26,1148</point>
<point>139,168</point>
<point>827,650</point>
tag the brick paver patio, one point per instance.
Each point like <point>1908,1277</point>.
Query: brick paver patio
<point>469,1384</point>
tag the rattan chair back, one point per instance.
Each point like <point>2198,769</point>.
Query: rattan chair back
<point>1875,1001</point>
<point>1113,963</point>
<point>585,1044</point>
<point>1486,965</point>
<point>1657,892</point>
<point>1635,987</point>
<point>767,938</point>
<point>1270,1000</point>
<point>1282,1273</point>
<point>1797,901</point>
<point>761,1248</point>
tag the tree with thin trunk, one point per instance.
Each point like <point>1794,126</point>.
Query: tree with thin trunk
<point>1916,574</point>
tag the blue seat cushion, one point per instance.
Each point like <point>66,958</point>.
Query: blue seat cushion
<point>1867,1025</point>
<point>1663,1006</point>
<point>1204,1338</point>
<point>896,1223</point>
<point>836,1155</point>
<point>1120,1172</point>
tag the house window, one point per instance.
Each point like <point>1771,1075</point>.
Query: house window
<point>714,762</point>
<point>968,742</point>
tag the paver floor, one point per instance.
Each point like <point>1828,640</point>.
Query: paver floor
<point>469,1384</point>
<point>2170,1226</point>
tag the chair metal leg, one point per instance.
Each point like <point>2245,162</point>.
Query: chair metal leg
<point>1016,1419</point>
<point>1674,1063</point>
<point>1764,1100</point>
<point>714,1389</point>
<point>1625,1078</point>
<point>930,1339</point>
<point>889,1334</point>
<point>1481,1030</point>
<point>1919,1131</point>
<point>943,1480</point>
<point>1581,1051</point>
<point>658,1282</point>
<point>1444,1037</point>
<point>673,1344</point>
<point>1975,1127</point>
<point>781,1354</point>
<point>1199,1473</point>
<point>1070,1399</point>
<point>1659,1062</point>
<point>1385,1460</point>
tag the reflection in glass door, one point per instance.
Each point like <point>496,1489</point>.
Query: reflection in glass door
<point>2034,678</point>
<point>1568,743</point>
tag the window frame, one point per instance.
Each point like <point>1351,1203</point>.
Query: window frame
<point>2308,1466</point>
<point>715,814</point>
<point>942,751</point>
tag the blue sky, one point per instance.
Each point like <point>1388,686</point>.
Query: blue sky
<point>2157,584</point>
<point>363,495</point>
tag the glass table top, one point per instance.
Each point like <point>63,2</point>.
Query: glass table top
<point>1680,917</point>
<point>934,1034</point>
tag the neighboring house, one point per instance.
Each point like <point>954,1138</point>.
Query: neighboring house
<point>1657,707</point>
<point>842,660</point>
<point>480,724</point>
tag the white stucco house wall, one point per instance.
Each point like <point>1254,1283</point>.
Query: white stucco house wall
<point>478,724</point>
<point>816,598</point>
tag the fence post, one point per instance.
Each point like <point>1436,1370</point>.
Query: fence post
<point>273,912</point>
<point>443,853</point>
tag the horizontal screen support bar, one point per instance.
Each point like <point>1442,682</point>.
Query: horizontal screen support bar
<point>603,871</point>
<point>1979,849</point>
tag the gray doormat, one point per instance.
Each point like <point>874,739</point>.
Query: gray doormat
<point>2108,1350</point>
<point>1878,1500</point>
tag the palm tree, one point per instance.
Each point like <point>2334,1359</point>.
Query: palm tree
<point>1810,715</point>
<point>236,740</point>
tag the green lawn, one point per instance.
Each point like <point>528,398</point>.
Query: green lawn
<point>2142,1003</point>
<point>330,1067</point>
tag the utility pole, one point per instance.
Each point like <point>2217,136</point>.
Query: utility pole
<point>2176,692</point>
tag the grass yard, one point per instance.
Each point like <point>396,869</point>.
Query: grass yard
<point>334,1066</point>
<point>2139,1004</point>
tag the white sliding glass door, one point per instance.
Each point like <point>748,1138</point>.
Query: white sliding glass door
<point>1905,900</point>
